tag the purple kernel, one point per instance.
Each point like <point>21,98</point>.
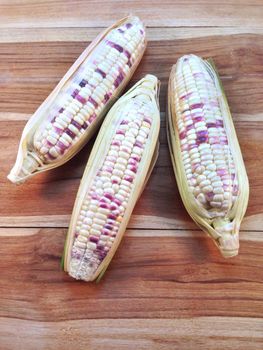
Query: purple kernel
<point>127,54</point>
<point>137,158</point>
<point>83,83</point>
<point>115,46</point>
<point>113,207</point>
<point>111,222</point>
<point>118,80</point>
<point>132,162</point>
<point>117,201</point>
<point>112,217</point>
<point>138,144</point>
<point>141,31</point>
<point>211,125</point>
<point>62,146</point>
<point>198,119</point>
<point>221,172</point>
<point>120,132</point>
<point>74,93</point>
<point>103,74</point>
<point>128,178</point>
<point>128,25</point>
<point>182,135</point>
<point>94,239</point>
<point>70,133</point>
<point>210,195</point>
<point>124,122</point>
<point>120,30</point>
<point>107,97</point>
<point>84,126</point>
<point>147,120</point>
<point>49,144</point>
<point>189,127</point>
<point>108,227</point>
<point>81,99</point>
<point>76,124</point>
<point>104,205</point>
<point>201,139</point>
<point>92,101</point>
<point>106,232</point>
<point>196,105</point>
<point>103,200</point>
<point>61,110</point>
<point>133,168</point>
<point>192,146</point>
<point>58,130</point>
<point>219,123</point>
<point>108,195</point>
<point>116,143</point>
<point>201,133</point>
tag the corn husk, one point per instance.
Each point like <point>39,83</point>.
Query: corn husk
<point>28,162</point>
<point>148,89</point>
<point>225,230</point>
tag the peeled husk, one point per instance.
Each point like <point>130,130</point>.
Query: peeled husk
<point>28,163</point>
<point>107,131</point>
<point>225,230</point>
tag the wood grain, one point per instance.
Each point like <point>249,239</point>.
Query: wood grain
<point>226,333</point>
<point>167,287</point>
<point>179,275</point>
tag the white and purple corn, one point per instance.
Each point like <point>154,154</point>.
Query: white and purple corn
<point>118,167</point>
<point>70,115</point>
<point>207,160</point>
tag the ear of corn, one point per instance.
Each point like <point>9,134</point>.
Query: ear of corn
<point>73,111</point>
<point>119,166</point>
<point>206,157</point>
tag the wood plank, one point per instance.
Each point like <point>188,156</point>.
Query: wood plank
<point>77,13</point>
<point>78,34</point>
<point>216,333</point>
<point>171,277</point>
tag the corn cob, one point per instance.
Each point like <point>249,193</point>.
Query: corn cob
<point>207,160</point>
<point>118,168</point>
<point>70,115</point>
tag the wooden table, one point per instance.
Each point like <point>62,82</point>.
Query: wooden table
<point>167,287</point>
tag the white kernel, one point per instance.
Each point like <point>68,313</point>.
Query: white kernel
<point>82,239</point>
<point>124,155</point>
<point>73,129</point>
<point>91,245</point>
<point>207,189</point>
<point>201,198</point>
<point>216,183</point>
<point>200,169</point>
<point>204,183</point>
<point>216,204</point>
<point>51,139</point>
<point>211,167</point>
<point>200,178</point>
<point>43,150</point>
<point>117,172</point>
<point>218,190</point>
<point>53,151</point>
<point>119,197</point>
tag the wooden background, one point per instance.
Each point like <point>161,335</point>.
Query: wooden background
<point>167,287</point>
